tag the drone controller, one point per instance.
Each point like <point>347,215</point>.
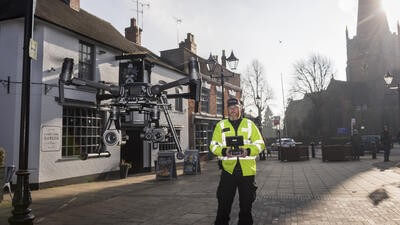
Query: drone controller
<point>234,143</point>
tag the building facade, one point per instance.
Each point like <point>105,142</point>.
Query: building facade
<point>58,133</point>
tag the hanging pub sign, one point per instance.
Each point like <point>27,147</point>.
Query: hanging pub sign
<point>277,120</point>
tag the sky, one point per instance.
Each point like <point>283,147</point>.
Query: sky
<point>276,32</point>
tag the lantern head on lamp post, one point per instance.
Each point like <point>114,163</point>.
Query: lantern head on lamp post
<point>212,65</point>
<point>232,61</point>
<point>388,78</point>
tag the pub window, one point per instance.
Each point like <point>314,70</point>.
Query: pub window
<point>178,101</point>
<point>219,102</point>
<point>81,130</point>
<point>86,61</point>
<point>205,100</point>
<point>169,143</point>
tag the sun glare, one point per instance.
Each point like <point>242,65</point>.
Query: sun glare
<point>392,9</point>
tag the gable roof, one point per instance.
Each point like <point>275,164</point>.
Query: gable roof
<point>81,22</point>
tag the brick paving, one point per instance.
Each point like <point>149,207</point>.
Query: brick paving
<point>307,192</point>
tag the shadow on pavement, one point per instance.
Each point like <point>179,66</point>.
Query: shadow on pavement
<point>382,166</point>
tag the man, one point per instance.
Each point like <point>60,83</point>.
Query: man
<point>386,138</point>
<point>238,171</point>
<point>355,143</point>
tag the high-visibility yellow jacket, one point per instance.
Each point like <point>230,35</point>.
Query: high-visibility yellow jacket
<point>252,140</point>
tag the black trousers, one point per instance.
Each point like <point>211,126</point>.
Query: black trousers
<point>386,153</point>
<point>226,194</point>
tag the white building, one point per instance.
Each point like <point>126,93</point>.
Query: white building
<point>61,30</point>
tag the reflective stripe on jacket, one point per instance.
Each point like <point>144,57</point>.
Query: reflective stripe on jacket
<point>252,140</point>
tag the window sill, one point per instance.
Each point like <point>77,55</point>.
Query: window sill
<point>66,159</point>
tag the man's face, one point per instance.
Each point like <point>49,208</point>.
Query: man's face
<point>234,112</point>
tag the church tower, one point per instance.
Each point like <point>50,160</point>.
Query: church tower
<point>371,20</point>
<point>373,51</point>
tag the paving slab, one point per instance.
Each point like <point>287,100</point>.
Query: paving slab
<point>306,192</point>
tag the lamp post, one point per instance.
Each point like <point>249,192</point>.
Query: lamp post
<point>258,103</point>
<point>212,65</point>
<point>21,214</point>
<point>388,80</point>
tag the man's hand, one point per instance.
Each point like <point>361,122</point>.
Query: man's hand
<point>244,152</point>
<point>229,153</point>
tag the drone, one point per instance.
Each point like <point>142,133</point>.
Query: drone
<point>135,102</point>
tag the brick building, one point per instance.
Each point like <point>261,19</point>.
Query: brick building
<point>202,122</point>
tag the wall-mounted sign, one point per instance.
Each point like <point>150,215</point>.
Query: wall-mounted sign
<point>51,138</point>
<point>33,48</point>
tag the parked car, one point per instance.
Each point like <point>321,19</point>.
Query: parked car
<point>285,142</point>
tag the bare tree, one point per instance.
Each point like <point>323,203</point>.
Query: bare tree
<point>256,91</point>
<point>312,75</point>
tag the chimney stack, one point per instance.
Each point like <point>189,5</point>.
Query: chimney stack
<point>73,4</point>
<point>189,43</point>
<point>134,33</point>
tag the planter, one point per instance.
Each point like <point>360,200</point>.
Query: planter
<point>123,171</point>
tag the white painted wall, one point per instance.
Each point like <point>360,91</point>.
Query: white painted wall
<point>59,44</point>
<point>11,53</point>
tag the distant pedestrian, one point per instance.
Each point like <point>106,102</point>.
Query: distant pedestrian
<point>312,149</point>
<point>386,138</point>
<point>355,144</point>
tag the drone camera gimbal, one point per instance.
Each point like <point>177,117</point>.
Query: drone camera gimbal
<point>135,103</point>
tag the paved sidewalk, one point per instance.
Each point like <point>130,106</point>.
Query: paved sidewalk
<point>308,192</point>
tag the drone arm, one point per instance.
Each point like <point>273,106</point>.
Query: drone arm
<point>157,89</point>
<point>114,90</point>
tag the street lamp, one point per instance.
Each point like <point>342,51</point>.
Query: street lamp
<point>258,103</point>
<point>22,214</point>
<point>388,80</point>
<point>212,65</point>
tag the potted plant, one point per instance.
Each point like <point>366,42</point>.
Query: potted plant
<point>124,168</point>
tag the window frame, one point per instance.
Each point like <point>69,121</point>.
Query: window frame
<point>169,144</point>
<point>78,133</point>
<point>178,101</point>
<point>91,65</point>
<point>205,100</point>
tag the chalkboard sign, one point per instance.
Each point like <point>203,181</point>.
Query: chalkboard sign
<point>191,163</point>
<point>166,166</point>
